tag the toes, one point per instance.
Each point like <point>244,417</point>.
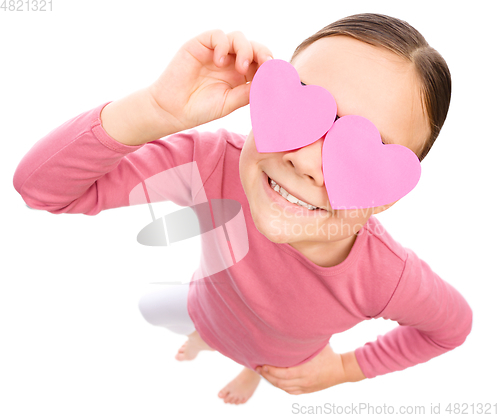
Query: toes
<point>228,397</point>
<point>180,354</point>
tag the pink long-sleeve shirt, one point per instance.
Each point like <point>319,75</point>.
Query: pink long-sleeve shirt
<point>274,306</point>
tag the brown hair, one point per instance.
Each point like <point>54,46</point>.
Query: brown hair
<point>404,40</point>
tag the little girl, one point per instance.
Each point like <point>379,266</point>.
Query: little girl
<point>306,277</point>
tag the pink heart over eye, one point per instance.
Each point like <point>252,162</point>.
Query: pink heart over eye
<point>285,114</point>
<point>358,170</point>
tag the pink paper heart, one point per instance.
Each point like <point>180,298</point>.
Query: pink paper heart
<point>360,171</point>
<point>285,114</point>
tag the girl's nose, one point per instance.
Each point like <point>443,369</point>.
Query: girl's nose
<point>307,161</point>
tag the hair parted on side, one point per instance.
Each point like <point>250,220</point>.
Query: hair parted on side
<point>404,40</point>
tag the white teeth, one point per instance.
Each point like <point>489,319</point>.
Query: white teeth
<point>289,197</point>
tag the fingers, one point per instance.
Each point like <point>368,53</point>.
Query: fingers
<point>249,54</point>
<point>285,373</point>
<point>218,42</point>
<point>282,378</point>
<point>286,385</point>
<point>242,48</point>
<point>260,53</point>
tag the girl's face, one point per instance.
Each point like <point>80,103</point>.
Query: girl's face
<point>368,81</point>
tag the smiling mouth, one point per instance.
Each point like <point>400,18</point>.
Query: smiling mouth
<point>289,197</point>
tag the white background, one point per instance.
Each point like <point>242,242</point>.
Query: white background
<point>73,343</point>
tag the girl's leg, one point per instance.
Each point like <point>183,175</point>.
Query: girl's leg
<point>167,308</point>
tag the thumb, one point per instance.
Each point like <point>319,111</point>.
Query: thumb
<point>236,98</point>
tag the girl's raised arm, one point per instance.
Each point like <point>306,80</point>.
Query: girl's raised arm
<point>206,80</point>
<point>92,162</point>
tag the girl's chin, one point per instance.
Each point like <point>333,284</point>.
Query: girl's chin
<point>277,230</point>
<point>277,238</point>
<point>272,233</point>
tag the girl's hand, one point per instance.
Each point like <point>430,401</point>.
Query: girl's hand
<point>321,372</point>
<point>207,78</point>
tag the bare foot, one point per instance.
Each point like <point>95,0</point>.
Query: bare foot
<point>192,347</point>
<point>241,388</point>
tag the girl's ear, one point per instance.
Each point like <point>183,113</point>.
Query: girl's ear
<point>379,209</point>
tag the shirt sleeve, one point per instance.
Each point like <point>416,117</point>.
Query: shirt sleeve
<point>433,316</point>
<point>79,168</point>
